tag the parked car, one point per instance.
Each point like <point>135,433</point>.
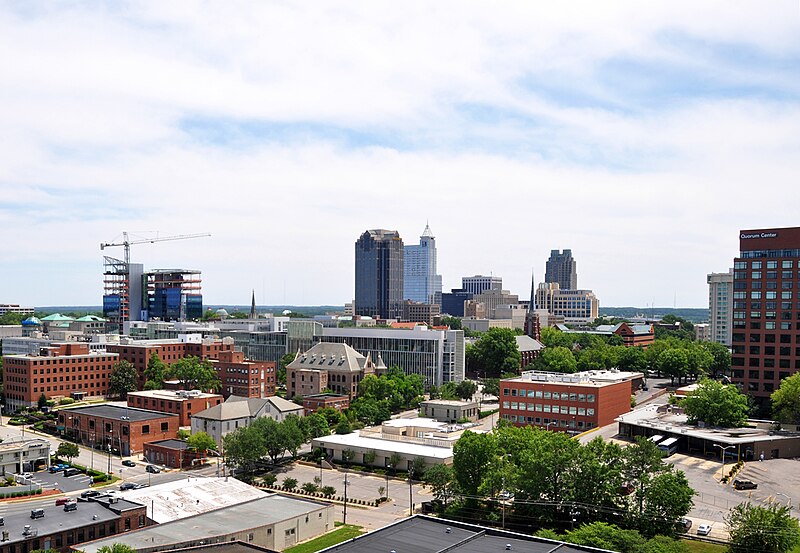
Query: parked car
<point>744,484</point>
<point>127,486</point>
<point>152,468</point>
<point>685,524</point>
<point>128,463</point>
<point>703,529</point>
<point>62,500</point>
<point>139,485</point>
<point>72,471</point>
<point>90,493</point>
<point>71,506</point>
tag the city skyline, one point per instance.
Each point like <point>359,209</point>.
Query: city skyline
<point>643,139</point>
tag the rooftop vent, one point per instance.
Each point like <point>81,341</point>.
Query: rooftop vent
<point>508,547</point>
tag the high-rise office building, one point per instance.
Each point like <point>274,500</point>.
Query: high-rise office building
<point>421,284</point>
<point>379,274</point>
<point>562,268</point>
<point>720,288</point>
<point>478,284</point>
<point>766,312</point>
<point>174,294</point>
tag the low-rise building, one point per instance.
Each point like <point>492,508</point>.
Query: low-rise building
<point>336,367</point>
<point>178,402</point>
<point>172,453</point>
<point>702,332</point>
<point>241,377</point>
<point>446,410</point>
<point>124,429</point>
<point>275,522</point>
<point>62,530</point>
<point>567,402</point>
<point>238,412</point>
<point>633,335</point>
<point>529,349</point>
<point>24,455</point>
<point>311,403</point>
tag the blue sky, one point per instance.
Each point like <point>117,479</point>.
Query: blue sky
<point>624,131</point>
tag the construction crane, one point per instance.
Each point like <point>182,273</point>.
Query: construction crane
<point>128,243</point>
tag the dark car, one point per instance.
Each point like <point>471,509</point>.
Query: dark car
<point>744,484</point>
<point>152,468</point>
<point>90,493</point>
<point>685,524</point>
<point>128,463</point>
<point>127,486</point>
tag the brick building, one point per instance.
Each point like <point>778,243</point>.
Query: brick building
<point>766,312</point>
<point>244,378</point>
<point>171,453</point>
<point>317,401</point>
<point>125,429</point>
<point>337,367</point>
<point>179,402</point>
<point>58,371</point>
<point>567,402</point>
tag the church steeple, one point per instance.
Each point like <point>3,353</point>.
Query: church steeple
<point>253,306</point>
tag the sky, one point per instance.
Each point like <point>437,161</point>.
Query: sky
<point>641,135</point>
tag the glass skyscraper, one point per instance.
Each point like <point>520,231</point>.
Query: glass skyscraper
<point>421,283</point>
<point>379,274</point>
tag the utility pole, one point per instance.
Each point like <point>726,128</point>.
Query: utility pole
<point>410,491</point>
<point>344,513</point>
<point>722,475</point>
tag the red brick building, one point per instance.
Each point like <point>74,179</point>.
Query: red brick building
<point>180,402</point>
<point>59,371</point>
<point>244,378</point>
<point>567,402</point>
<point>171,453</point>
<point>317,401</point>
<point>766,310</point>
<point>125,429</point>
<point>635,334</point>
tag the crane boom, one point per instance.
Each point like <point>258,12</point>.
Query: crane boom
<point>128,243</point>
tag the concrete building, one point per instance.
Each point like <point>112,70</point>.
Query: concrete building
<point>18,456</point>
<point>332,366</point>
<point>275,522</point>
<point>479,283</point>
<point>720,306</point>
<point>474,309</point>
<point>379,274</point>
<point>576,306</point>
<point>237,412</point>
<point>450,411</point>
<point>483,325</point>
<point>62,530</point>
<point>567,402</point>
<point>178,402</point>
<point>15,308</point>
<point>428,313</point>
<point>562,269</point>
<point>766,313</point>
<point>124,429</point>
<point>515,312</point>
<point>453,302</point>
<point>702,332</point>
<point>313,402</point>
<point>421,284</point>
<point>493,298</point>
<point>61,370</point>
<point>244,378</point>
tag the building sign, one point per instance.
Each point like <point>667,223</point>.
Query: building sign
<point>745,236</point>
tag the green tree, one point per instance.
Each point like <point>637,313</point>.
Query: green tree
<point>786,400</point>
<point>496,353</point>
<point>331,415</point>
<point>466,389</point>
<point>122,380</point>
<point>68,451</point>
<point>116,548</point>
<point>244,446</point>
<point>642,461</point>
<point>442,482</point>
<point>699,359</point>
<point>273,436</point>
<point>201,442</point>
<point>42,403</point>
<point>10,318</point>
<point>557,359</point>
<point>155,372</point>
<point>343,426</point>
<point>316,426</point>
<point>721,358</point>
<point>755,528</point>
<point>664,544</point>
<point>606,536</point>
<point>674,363</point>
<point>453,322</point>
<point>667,499</point>
<point>491,387</point>
<point>183,434</point>
<point>472,456</point>
<point>552,338</point>
<point>285,360</point>
<point>633,359</point>
<point>194,373</point>
<point>716,404</point>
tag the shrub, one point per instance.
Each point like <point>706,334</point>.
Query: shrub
<point>66,401</point>
<point>289,483</point>
<point>269,479</point>
<point>309,487</point>
<point>328,491</point>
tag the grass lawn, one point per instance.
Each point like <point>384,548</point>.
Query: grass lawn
<point>703,547</point>
<point>342,533</point>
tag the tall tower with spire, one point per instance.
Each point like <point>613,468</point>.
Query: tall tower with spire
<point>253,306</point>
<point>420,281</point>
<point>532,326</point>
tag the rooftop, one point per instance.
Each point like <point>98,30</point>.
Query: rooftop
<point>447,402</point>
<point>236,407</point>
<point>423,534</point>
<point>585,378</point>
<point>405,448</point>
<point>173,395</point>
<point>117,412</point>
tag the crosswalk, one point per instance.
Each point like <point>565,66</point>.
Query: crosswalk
<point>696,463</point>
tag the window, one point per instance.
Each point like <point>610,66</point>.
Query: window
<point>145,429</point>
<point>590,399</point>
<point>755,264</point>
<point>787,264</point>
<point>772,264</point>
<point>755,275</point>
<point>755,295</point>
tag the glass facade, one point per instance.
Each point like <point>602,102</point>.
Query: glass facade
<point>379,274</point>
<point>420,282</point>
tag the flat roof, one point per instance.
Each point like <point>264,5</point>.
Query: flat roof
<point>448,402</point>
<point>234,519</point>
<point>423,534</point>
<point>170,443</point>
<point>173,395</point>
<point>354,440</point>
<point>585,378</point>
<point>55,518</point>
<point>118,412</point>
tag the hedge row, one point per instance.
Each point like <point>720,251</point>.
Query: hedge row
<point>6,495</point>
<point>317,494</point>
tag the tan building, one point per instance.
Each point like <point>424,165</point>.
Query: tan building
<point>474,309</point>
<point>576,306</point>
<point>492,299</point>
<point>447,410</point>
<point>335,367</point>
<point>421,312</point>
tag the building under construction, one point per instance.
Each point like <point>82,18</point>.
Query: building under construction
<point>174,295</point>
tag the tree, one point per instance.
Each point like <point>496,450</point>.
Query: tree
<point>42,403</point>
<point>632,359</point>
<point>68,451</point>
<point>273,435</point>
<point>674,363</point>
<point>721,358</point>
<point>755,528</point>
<point>316,425</point>
<point>557,359</point>
<point>116,548</point>
<point>243,446</point>
<point>716,404</point>
<point>201,442</point>
<point>183,434</point>
<point>642,461</point>
<point>194,373</point>
<point>442,482</point>
<point>664,544</point>
<point>154,373</point>
<point>491,387</point>
<point>667,499</point>
<point>606,536</point>
<point>453,322</point>
<point>285,360</point>
<point>472,456</point>
<point>496,352</point>
<point>786,400</point>
<point>122,380</point>
<point>343,426</point>
<point>466,389</point>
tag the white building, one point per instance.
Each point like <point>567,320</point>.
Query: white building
<point>24,455</point>
<point>479,283</point>
<point>576,306</point>
<point>238,412</point>
<point>720,312</point>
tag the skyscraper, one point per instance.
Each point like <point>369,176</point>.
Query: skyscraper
<point>563,269</point>
<point>421,283</point>
<point>379,274</point>
<point>479,283</point>
<point>766,313</point>
<point>720,288</point>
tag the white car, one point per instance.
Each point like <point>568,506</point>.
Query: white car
<point>703,529</point>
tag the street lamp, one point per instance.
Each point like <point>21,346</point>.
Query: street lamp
<point>723,448</point>
<point>547,425</point>
<point>389,467</point>
<point>410,491</point>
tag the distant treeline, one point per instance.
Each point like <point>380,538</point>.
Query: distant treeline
<point>692,314</point>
